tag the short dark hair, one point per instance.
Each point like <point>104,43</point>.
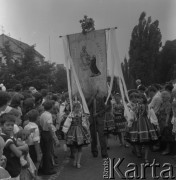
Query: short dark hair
<point>16,100</point>
<point>48,105</point>
<point>29,102</point>
<point>142,96</point>
<point>157,86</point>
<point>152,89</point>
<point>54,97</point>
<point>7,118</point>
<point>33,115</point>
<point>14,112</point>
<point>141,88</point>
<point>18,87</point>
<point>169,87</point>
<point>44,92</point>
<point>38,97</point>
<point>133,95</point>
<point>4,98</point>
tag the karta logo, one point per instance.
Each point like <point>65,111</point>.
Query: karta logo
<point>136,171</point>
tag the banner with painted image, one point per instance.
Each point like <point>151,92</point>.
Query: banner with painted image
<point>89,55</point>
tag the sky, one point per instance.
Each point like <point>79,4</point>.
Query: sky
<point>41,22</point>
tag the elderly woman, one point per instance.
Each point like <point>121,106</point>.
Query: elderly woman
<point>164,119</point>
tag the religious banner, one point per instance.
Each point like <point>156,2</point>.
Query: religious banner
<point>89,55</point>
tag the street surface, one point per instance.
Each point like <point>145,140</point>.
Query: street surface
<point>92,168</point>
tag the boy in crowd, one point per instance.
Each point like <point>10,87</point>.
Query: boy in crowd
<point>4,175</point>
<point>11,151</point>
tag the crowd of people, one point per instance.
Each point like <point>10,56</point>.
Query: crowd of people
<point>33,123</point>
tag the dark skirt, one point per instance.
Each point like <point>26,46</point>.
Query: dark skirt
<point>120,124</point>
<point>109,125</point>
<point>59,133</point>
<point>77,135</point>
<point>33,153</point>
<point>167,135</point>
<point>142,132</point>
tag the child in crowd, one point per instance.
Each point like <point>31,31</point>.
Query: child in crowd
<point>17,128</point>
<point>78,133</point>
<point>28,170</point>
<point>4,175</point>
<point>34,138</point>
<point>11,151</point>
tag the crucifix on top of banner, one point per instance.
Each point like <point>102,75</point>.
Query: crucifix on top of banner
<point>86,56</point>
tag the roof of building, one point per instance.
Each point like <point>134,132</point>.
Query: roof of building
<point>21,44</point>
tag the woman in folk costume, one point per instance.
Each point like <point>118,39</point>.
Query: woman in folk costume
<point>142,132</point>
<point>120,121</point>
<point>109,125</point>
<point>78,133</point>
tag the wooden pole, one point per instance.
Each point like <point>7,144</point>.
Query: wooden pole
<point>106,29</point>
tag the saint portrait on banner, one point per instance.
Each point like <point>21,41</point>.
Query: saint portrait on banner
<point>89,56</point>
<point>89,62</point>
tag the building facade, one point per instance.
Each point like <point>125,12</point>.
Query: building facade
<point>17,49</point>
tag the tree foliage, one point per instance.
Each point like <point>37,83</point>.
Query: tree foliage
<point>127,77</point>
<point>144,50</point>
<point>167,62</point>
<point>29,72</point>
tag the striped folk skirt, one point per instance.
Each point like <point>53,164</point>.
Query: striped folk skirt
<point>142,132</point>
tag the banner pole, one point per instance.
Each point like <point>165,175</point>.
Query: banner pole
<point>106,29</point>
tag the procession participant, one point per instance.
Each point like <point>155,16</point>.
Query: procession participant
<point>97,110</point>
<point>78,134</point>
<point>133,94</point>
<point>142,132</point>
<point>48,137</point>
<point>109,125</point>
<point>120,121</point>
